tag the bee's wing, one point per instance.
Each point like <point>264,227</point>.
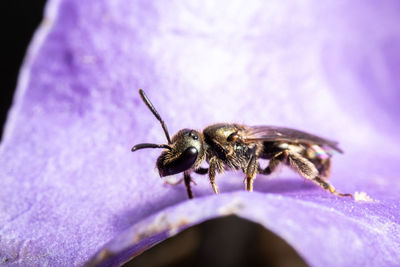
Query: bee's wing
<point>272,133</point>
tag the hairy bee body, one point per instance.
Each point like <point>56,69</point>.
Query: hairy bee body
<point>239,147</point>
<point>233,154</point>
<point>227,148</point>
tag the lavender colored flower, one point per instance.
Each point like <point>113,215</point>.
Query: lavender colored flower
<point>71,190</point>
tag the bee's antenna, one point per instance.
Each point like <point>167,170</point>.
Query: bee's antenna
<point>146,145</point>
<point>155,113</point>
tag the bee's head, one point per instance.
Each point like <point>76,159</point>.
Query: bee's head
<point>185,151</point>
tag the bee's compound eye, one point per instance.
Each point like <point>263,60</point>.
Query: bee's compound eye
<point>190,152</point>
<point>182,163</point>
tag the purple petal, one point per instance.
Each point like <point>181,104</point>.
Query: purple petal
<point>71,190</point>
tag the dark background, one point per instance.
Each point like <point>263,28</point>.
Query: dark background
<point>19,24</point>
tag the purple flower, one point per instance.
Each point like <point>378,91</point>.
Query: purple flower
<point>71,190</point>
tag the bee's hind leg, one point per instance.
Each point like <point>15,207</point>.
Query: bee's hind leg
<point>325,185</point>
<point>307,169</point>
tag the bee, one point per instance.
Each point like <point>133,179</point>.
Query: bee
<point>230,146</point>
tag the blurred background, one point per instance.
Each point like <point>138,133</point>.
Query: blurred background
<point>20,19</point>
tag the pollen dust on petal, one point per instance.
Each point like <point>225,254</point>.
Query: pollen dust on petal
<point>362,197</point>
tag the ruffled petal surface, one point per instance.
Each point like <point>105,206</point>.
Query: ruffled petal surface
<point>73,193</point>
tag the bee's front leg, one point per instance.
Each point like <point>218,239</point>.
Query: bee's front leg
<point>188,180</point>
<point>251,171</point>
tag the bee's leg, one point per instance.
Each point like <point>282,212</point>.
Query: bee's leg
<point>272,164</point>
<point>325,185</point>
<point>201,171</point>
<point>307,169</point>
<point>188,180</point>
<point>212,172</point>
<point>251,171</point>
